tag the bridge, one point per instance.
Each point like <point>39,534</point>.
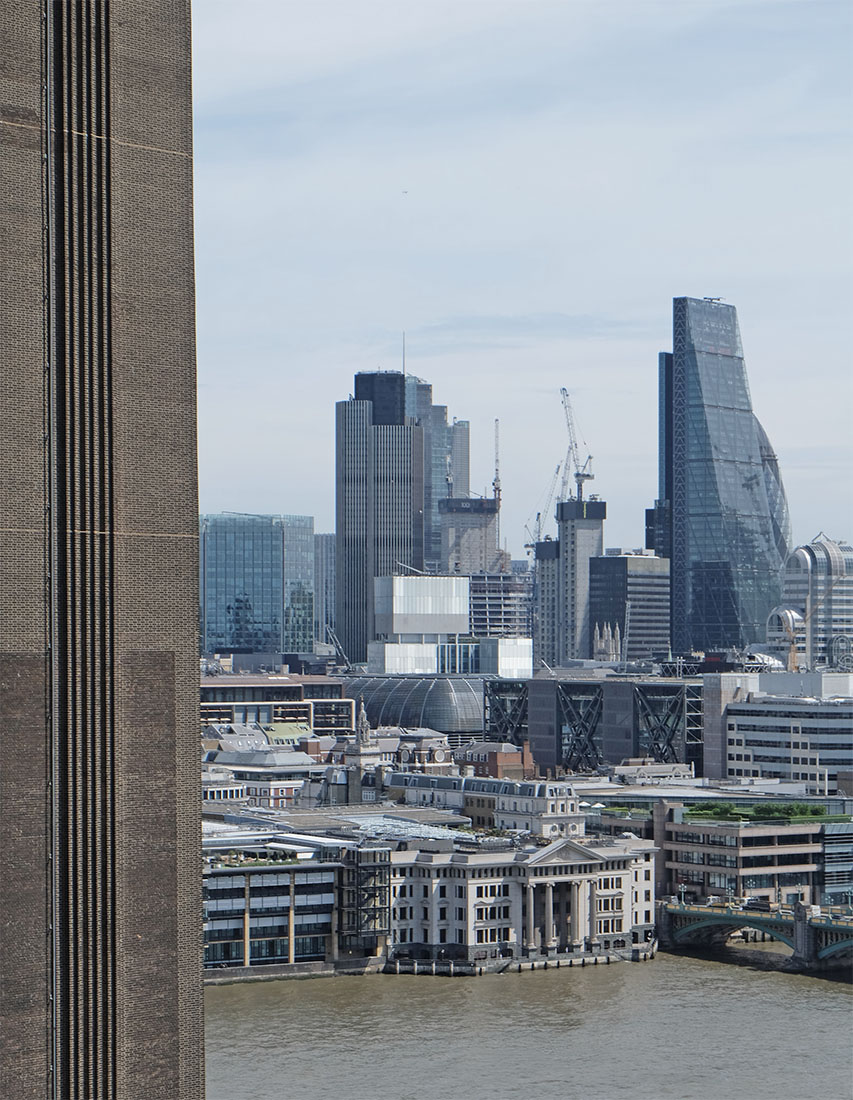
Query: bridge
<point>819,938</point>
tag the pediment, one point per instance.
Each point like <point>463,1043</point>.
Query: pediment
<point>563,851</point>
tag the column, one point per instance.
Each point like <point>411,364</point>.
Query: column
<point>583,910</point>
<point>332,951</point>
<point>291,920</point>
<point>247,926</point>
<point>592,908</point>
<point>530,902</point>
<point>562,920</point>
<point>549,914</point>
<point>574,915</point>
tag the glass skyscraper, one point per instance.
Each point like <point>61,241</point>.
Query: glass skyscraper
<point>721,515</point>
<point>257,583</point>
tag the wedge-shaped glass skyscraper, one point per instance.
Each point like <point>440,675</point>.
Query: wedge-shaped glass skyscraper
<point>721,516</point>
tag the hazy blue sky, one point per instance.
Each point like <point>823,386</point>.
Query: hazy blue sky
<point>522,187</point>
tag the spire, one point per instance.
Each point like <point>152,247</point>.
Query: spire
<point>362,727</point>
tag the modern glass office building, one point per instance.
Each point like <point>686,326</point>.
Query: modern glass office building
<point>324,586</point>
<point>722,515</point>
<point>241,583</point>
<point>256,583</point>
<point>298,584</point>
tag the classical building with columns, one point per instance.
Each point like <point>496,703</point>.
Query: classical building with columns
<point>571,897</point>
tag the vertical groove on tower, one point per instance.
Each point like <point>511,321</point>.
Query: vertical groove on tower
<point>81,551</point>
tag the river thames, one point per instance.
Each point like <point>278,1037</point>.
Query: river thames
<point>676,1028</point>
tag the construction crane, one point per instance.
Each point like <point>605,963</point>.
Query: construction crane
<point>573,461</point>
<point>339,649</point>
<point>626,635</point>
<point>536,534</point>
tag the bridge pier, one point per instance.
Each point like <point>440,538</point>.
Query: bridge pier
<point>805,939</point>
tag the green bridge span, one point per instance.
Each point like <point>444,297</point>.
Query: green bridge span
<point>819,938</point>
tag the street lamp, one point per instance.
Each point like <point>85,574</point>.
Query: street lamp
<point>682,887</point>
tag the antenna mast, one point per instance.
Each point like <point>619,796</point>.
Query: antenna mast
<point>496,484</point>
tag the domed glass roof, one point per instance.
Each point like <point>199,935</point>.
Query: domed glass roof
<point>447,704</point>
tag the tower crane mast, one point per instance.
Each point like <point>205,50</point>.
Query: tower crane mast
<point>573,462</point>
<point>496,484</point>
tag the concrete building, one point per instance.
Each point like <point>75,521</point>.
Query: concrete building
<point>629,590</point>
<point>813,626</point>
<point>775,724</point>
<point>563,631</point>
<point>421,625</point>
<point>797,739</point>
<point>501,605</point>
<point>771,861</point>
<point>721,514</point>
<point>100,786</point>
<point>318,701</point>
<point>460,458</point>
<point>324,587</point>
<point>469,535</point>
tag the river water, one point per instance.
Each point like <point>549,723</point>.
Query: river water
<point>676,1028</point>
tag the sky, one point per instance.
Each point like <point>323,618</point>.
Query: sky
<point>522,187</point>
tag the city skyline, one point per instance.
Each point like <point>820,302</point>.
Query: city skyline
<point>523,191</point>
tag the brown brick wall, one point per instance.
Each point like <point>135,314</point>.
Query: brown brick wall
<point>116,430</point>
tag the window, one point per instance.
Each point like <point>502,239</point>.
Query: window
<point>442,891</point>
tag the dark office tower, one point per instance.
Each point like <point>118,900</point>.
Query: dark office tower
<point>99,788</point>
<point>721,512</point>
<point>379,509</point>
<point>629,591</point>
